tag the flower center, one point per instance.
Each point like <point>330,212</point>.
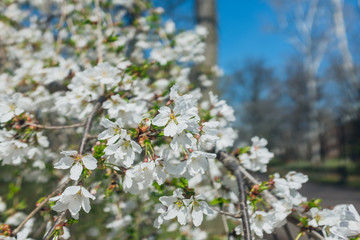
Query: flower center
<point>179,203</point>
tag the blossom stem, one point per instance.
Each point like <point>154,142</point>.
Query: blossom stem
<point>298,236</point>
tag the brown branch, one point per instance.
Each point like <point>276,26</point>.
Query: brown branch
<point>88,125</point>
<point>55,127</point>
<point>227,213</point>
<point>232,165</point>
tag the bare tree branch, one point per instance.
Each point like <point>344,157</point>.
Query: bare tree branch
<point>227,214</point>
<point>340,31</point>
<point>232,165</point>
<point>55,127</point>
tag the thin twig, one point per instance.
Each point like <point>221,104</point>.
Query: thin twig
<point>55,127</point>
<point>232,165</point>
<point>41,205</point>
<point>227,213</point>
<point>88,126</point>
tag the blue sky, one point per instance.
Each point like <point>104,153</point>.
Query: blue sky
<point>245,32</point>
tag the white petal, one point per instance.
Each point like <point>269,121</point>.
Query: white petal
<point>64,163</point>
<point>137,148</point>
<point>75,171</point>
<point>69,153</point>
<point>86,193</point>
<point>206,209</point>
<point>170,129</point>
<point>182,215</point>
<point>171,213</point>
<point>85,203</point>
<point>53,199</point>
<point>105,135</point>
<point>113,139</point>
<point>59,207</point>
<point>167,200</point>
<point>7,117</point>
<point>90,162</point>
<point>163,117</point>
<point>75,206</point>
<point>107,123</point>
<point>197,216</point>
<point>72,190</point>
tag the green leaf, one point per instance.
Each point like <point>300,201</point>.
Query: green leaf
<point>180,182</point>
<point>112,38</point>
<point>315,203</point>
<point>244,149</point>
<point>219,201</point>
<point>72,220</point>
<point>13,189</point>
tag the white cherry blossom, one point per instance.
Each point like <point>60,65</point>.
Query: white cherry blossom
<point>72,157</point>
<point>176,207</point>
<point>198,208</point>
<point>73,198</point>
<point>197,162</point>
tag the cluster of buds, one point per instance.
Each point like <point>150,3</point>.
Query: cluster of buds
<point>5,230</point>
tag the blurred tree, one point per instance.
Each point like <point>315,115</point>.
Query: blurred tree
<point>347,70</point>
<point>256,94</point>
<point>206,16</point>
<point>307,23</point>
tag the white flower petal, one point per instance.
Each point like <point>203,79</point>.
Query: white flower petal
<point>64,163</point>
<point>75,205</point>
<point>59,207</point>
<point>182,215</point>
<point>72,190</point>
<point>75,171</point>
<point>171,213</point>
<point>85,203</point>
<point>163,117</point>
<point>170,129</point>
<point>86,193</point>
<point>197,216</point>
<point>136,147</point>
<point>69,153</point>
<point>90,162</point>
<point>107,123</point>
